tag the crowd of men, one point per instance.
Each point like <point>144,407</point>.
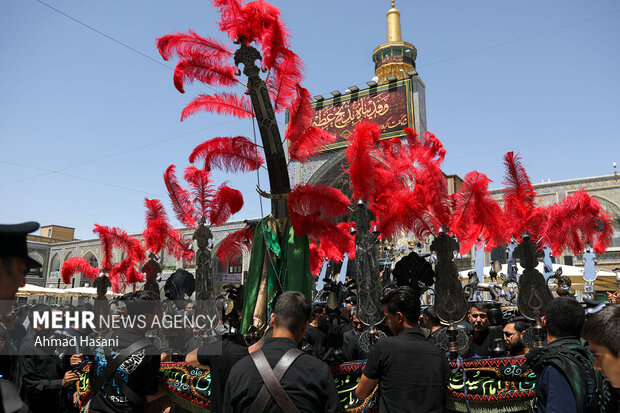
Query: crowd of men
<point>287,370</point>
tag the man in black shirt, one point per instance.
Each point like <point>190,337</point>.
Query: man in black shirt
<point>479,320</point>
<point>412,373</point>
<point>135,381</point>
<point>42,373</point>
<point>314,336</point>
<point>219,357</point>
<point>308,382</point>
<point>351,348</point>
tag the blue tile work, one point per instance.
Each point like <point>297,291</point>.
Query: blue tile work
<point>303,172</point>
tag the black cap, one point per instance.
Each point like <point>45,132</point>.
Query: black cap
<point>13,241</point>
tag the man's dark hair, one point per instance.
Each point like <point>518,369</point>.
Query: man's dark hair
<point>521,323</point>
<point>603,328</point>
<point>404,300</point>
<point>479,305</point>
<point>292,310</point>
<point>317,308</point>
<point>141,302</point>
<point>429,312</point>
<point>564,316</point>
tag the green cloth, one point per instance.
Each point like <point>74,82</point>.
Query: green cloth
<point>291,261</point>
<point>298,258</point>
<point>252,281</point>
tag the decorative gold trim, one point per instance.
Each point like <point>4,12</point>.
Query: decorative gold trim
<point>408,83</point>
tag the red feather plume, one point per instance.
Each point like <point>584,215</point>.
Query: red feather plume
<point>235,244</point>
<point>177,245</point>
<point>157,225</point>
<point>430,183</point>
<point>154,210</point>
<point>116,237</point>
<point>222,103</point>
<point>160,235</point>
<point>202,190</point>
<point>319,199</point>
<point>106,246</point>
<point>180,198</point>
<point>229,154</point>
<point>519,196</point>
<point>364,179</point>
<point>304,139</point>
<point>300,116</point>
<point>311,225</point>
<point>606,235</point>
<point>120,270</point>
<point>282,85</point>
<point>226,202</point>
<point>335,241</point>
<point>573,223</point>
<point>315,259</point>
<point>155,234</point>
<point>232,19</point>
<point>254,21</point>
<point>198,67</point>
<point>75,265</point>
<point>133,276</point>
<point>309,143</point>
<point>401,211</point>
<point>274,42</point>
<point>476,213</point>
<point>191,44</point>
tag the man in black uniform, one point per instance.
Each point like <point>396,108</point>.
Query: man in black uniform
<point>351,348</point>
<point>134,380</point>
<point>14,265</point>
<point>314,336</point>
<point>412,373</point>
<point>220,357</point>
<point>308,383</point>
<point>43,375</point>
<point>479,320</point>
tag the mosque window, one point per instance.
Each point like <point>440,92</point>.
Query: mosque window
<point>36,272</point>
<point>55,267</point>
<point>92,260</point>
<point>615,242</point>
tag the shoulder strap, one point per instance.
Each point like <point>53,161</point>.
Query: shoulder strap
<point>129,393</point>
<point>271,379</point>
<point>114,363</point>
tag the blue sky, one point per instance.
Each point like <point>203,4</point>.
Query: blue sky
<point>88,126</point>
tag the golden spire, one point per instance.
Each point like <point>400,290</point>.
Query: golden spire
<point>393,25</point>
<point>394,57</point>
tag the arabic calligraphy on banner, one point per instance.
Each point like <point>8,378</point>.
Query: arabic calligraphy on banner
<point>347,377</point>
<point>390,106</point>
<point>505,384</point>
<point>501,384</point>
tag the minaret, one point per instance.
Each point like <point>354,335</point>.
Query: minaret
<point>394,57</point>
